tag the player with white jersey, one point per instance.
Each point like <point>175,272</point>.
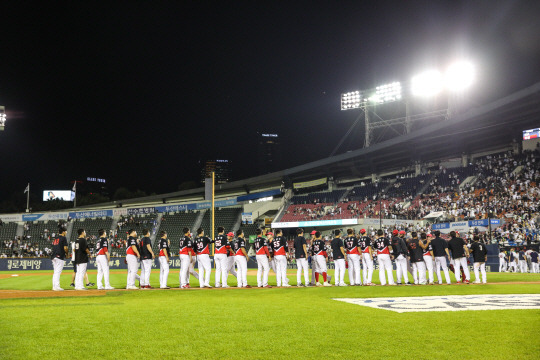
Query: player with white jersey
<point>202,247</point>
<point>59,252</point>
<point>132,259</point>
<point>279,245</point>
<point>367,257</point>
<point>479,253</point>
<point>383,247</point>
<point>102,260</point>
<point>147,256</point>
<point>220,258</point>
<point>427,254</point>
<point>503,265</point>
<point>353,258</point>
<point>240,257</point>
<point>262,255</point>
<point>320,258</point>
<point>164,253</point>
<point>185,247</point>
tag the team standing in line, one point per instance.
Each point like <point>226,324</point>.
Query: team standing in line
<point>416,255</point>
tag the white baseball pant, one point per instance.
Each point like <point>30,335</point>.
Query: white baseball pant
<point>79,278</point>
<point>401,268</point>
<point>522,266</point>
<point>354,269</point>
<point>133,267</point>
<point>222,267</point>
<point>103,271</point>
<point>205,268</point>
<point>146,268</point>
<point>163,271</point>
<point>263,268</point>
<point>302,264</point>
<point>482,267</point>
<point>428,259</point>
<point>339,272</point>
<point>241,264</point>
<point>502,265</point>
<point>58,265</point>
<point>231,262</point>
<point>385,264</point>
<point>192,268</point>
<point>313,269</point>
<point>535,267</point>
<point>461,262</point>
<point>419,272</point>
<point>367,262</point>
<point>513,266</point>
<point>185,264</point>
<point>440,262</point>
<point>281,270</point>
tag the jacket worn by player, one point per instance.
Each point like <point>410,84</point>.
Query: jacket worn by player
<point>279,245</point>
<point>145,253</point>
<point>132,242</point>
<point>351,245</point>
<point>164,245</point>
<point>415,251</point>
<point>261,246</point>
<point>102,246</point>
<point>221,245</point>
<point>365,243</point>
<point>382,245</point>
<point>202,245</point>
<point>238,245</point>
<point>185,246</point>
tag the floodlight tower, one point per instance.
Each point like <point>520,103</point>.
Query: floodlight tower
<point>2,117</point>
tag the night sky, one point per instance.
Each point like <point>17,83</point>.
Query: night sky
<point>138,92</point>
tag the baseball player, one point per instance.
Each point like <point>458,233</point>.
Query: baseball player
<point>534,262</point>
<point>185,247</point>
<point>262,255</point>
<point>220,258</point>
<point>82,254</point>
<point>301,256</point>
<point>147,255</point>
<point>400,254</point>
<point>502,262</point>
<point>59,252</point>
<point>513,260</point>
<point>367,257</point>
<point>440,251</point>
<point>427,254</point>
<point>383,247</point>
<point>353,257</point>
<point>230,258</point>
<point>479,253</point>
<point>102,260</point>
<point>240,257</point>
<point>522,261</point>
<point>416,259</point>
<point>320,258</point>
<point>313,262</point>
<point>202,246</point>
<point>164,253</point>
<point>279,245</point>
<point>74,275</point>
<point>338,253</point>
<point>460,253</point>
<point>132,257</point>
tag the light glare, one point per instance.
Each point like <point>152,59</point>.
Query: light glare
<point>428,83</point>
<point>459,76</point>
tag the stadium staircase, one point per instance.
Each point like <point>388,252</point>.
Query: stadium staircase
<point>237,224</point>
<point>286,200</point>
<point>469,180</point>
<point>345,194</point>
<point>198,222</point>
<point>69,230</point>
<point>20,230</point>
<point>156,228</point>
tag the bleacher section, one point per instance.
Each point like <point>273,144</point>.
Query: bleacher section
<point>173,225</point>
<point>91,226</point>
<point>7,236</point>
<point>225,217</point>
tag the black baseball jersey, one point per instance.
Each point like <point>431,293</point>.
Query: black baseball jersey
<point>81,256</point>
<point>415,251</point>
<point>202,245</point>
<point>145,253</point>
<point>220,245</point>
<point>479,251</point>
<point>521,255</point>
<point>455,245</point>
<point>439,245</point>
<point>58,250</point>
<point>318,247</point>
<point>102,246</point>
<point>230,244</point>
<point>185,245</point>
<point>365,243</point>
<point>279,245</point>
<point>164,245</point>
<point>132,242</point>
<point>381,245</point>
<point>534,257</point>
<point>399,247</point>
<point>426,251</point>
<point>299,243</point>
<point>351,245</point>
<point>261,246</point>
<point>336,245</point>
<point>238,244</point>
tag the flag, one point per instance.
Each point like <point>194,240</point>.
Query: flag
<point>74,187</point>
<point>27,189</point>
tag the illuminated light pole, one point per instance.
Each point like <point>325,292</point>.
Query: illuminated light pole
<point>3,118</point>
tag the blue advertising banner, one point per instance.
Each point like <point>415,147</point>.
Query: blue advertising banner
<point>440,226</point>
<point>141,211</point>
<point>31,217</point>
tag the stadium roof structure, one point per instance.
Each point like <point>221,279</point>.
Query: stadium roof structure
<point>479,129</point>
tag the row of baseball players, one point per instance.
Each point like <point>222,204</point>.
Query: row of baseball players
<point>522,260</point>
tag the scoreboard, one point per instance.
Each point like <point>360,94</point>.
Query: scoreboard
<point>531,134</point>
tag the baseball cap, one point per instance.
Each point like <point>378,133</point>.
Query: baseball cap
<point>402,232</point>
<point>363,231</point>
<point>429,235</point>
<point>230,234</point>
<point>313,232</point>
<point>269,233</point>
<point>395,232</point>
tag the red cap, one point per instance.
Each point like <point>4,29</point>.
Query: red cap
<point>402,232</point>
<point>429,235</point>
<point>313,232</point>
<point>363,231</point>
<point>269,233</point>
<point>230,234</point>
<point>395,232</point>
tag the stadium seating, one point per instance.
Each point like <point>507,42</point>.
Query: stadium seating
<point>7,236</point>
<point>226,217</point>
<point>174,225</point>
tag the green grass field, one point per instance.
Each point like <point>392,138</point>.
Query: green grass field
<point>277,323</point>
